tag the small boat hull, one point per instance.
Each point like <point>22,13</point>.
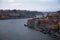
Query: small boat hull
<point>25,25</point>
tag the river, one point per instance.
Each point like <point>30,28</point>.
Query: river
<point>14,29</point>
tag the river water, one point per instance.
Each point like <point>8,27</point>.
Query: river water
<point>14,29</point>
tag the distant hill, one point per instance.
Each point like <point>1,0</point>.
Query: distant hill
<point>20,13</point>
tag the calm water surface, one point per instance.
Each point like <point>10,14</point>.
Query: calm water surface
<point>14,29</point>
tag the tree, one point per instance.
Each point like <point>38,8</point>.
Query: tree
<point>15,11</point>
<point>58,11</point>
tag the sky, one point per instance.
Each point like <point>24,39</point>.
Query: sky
<point>33,5</point>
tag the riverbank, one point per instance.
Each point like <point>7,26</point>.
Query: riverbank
<point>15,30</point>
<point>11,18</point>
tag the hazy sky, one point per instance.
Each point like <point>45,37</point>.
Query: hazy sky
<point>36,5</point>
